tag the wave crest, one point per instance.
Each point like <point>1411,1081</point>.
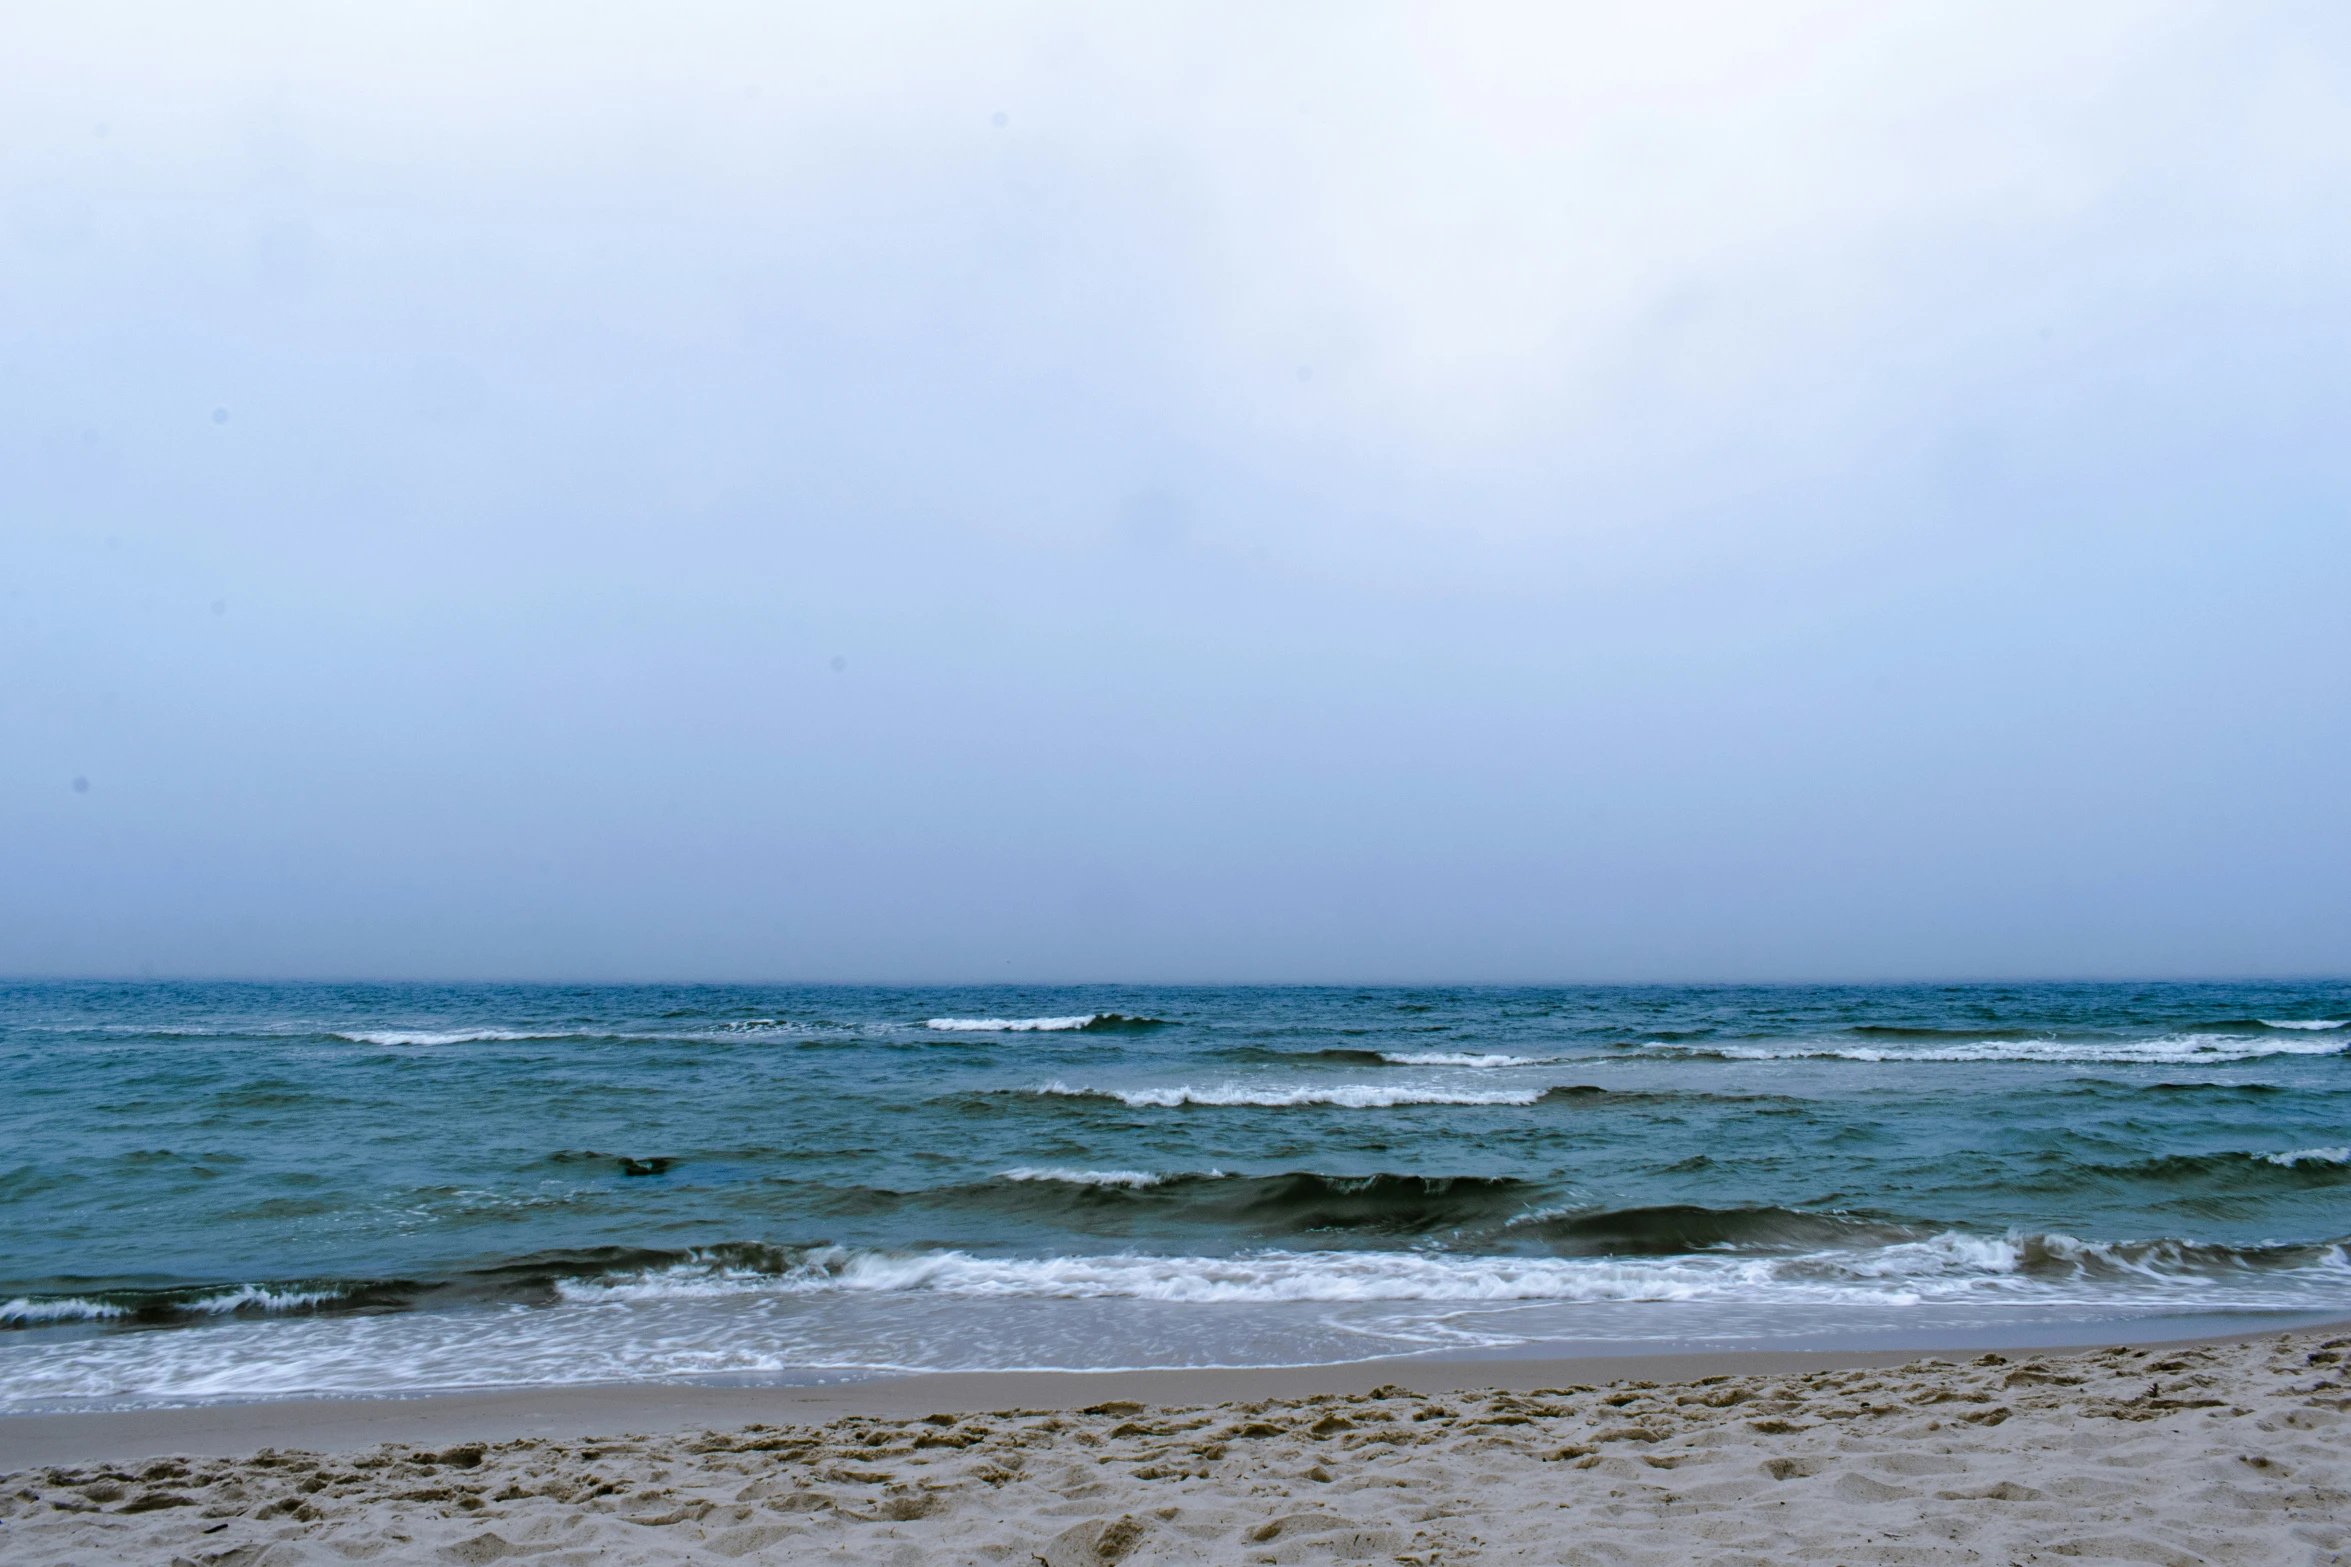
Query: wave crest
<point>1459,1058</point>
<point>1068,1177</point>
<point>2203,1049</point>
<point>1948,1266</point>
<point>2312,1156</point>
<point>1091,1022</point>
<point>460,1036</point>
<point>165,1305</point>
<point>1345,1096</point>
<point>2299,1167</point>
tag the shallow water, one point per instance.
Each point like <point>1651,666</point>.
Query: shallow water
<point>244,1190</point>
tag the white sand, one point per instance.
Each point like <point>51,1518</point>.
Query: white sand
<point>2229,1453</point>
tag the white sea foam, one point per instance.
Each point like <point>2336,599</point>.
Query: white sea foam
<point>464,1036</point>
<point>1346,1096</point>
<point>2310,1156</point>
<point>839,1311</point>
<point>1946,1267</point>
<point>2168,1050</point>
<point>253,1297</point>
<point>24,1312</point>
<point>2322,1023</point>
<point>1008,1025</point>
<point>721,1033</point>
<point>1451,1058</point>
<point>1083,1177</point>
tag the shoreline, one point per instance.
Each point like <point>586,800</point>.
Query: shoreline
<point>2235,1452</point>
<point>226,1429</point>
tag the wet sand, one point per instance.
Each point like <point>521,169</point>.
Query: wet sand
<point>324,1424</point>
<point>2219,1451</point>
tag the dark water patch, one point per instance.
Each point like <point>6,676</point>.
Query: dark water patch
<point>589,1161</point>
<point>2286,1169</point>
<point>1677,1228</point>
<point>271,1096</point>
<point>2215,1086</point>
<point>96,1304</point>
<point>1202,1208</point>
<point>1694,1099</point>
<point>1303,1203</point>
<point>2210,1088</point>
<point>1237,1207</point>
<point>1888,1031</point>
<point>1334,1056</point>
<point>2062,1256</point>
<point>278,1210</point>
<point>27,1179</point>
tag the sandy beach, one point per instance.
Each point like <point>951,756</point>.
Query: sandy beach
<point>2223,1452</point>
<point>1124,785</point>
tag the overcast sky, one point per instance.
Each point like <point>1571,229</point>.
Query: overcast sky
<point>1192,492</point>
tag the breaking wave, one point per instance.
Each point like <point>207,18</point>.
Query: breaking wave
<point>2201,1049</point>
<point>1751,1257</point>
<point>461,1036</point>
<point>2300,1167</point>
<point>150,1307</point>
<point>1944,1267</point>
<point>2309,1156</point>
<point>1091,1022</point>
<point>25,1312</point>
<point>1346,1096</point>
<point>1456,1058</point>
<point>1127,1178</point>
<point>752,1029</point>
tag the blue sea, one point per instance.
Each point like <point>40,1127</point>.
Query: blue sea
<point>231,1191</point>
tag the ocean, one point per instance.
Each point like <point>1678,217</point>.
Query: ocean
<point>238,1191</point>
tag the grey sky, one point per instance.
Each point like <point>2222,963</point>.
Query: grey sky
<point>1195,492</point>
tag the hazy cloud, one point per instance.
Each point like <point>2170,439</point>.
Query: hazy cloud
<point>1185,492</point>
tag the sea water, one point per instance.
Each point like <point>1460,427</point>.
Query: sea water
<point>239,1190</point>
